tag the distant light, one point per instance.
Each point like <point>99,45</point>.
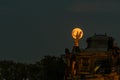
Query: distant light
<point>77,33</point>
<point>96,68</point>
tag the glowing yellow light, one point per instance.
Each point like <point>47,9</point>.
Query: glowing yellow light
<point>96,68</point>
<point>77,33</point>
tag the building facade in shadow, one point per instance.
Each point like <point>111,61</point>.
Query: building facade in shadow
<point>100,60</point>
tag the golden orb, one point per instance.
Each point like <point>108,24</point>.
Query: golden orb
<point>77,33</point>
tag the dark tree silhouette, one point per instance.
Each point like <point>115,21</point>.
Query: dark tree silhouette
<point>53,68</point>
<point>48,68</point>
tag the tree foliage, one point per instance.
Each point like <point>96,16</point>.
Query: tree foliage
<point>48,68</point>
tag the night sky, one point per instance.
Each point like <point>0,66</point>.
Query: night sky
<point>31,29</point>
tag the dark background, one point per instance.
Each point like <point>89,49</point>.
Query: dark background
<point>31,29</point>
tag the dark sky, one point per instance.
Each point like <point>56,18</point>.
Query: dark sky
<point>30,29</point>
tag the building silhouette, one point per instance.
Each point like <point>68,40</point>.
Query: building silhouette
<point>100,60</point>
